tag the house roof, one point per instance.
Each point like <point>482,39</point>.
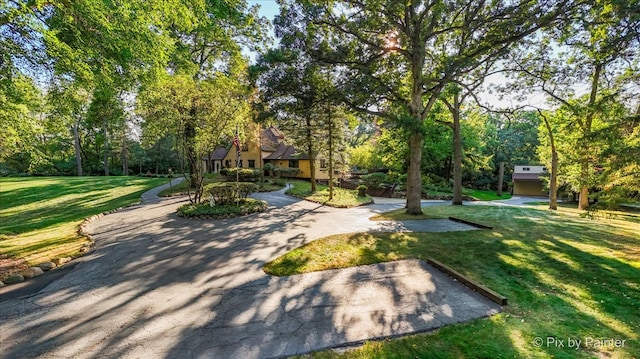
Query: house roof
<point>219,154</point>
<point>526,177</point>
<point>271,138</point>
<point>284,152</point>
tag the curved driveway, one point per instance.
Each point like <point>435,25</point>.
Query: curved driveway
<point>159,286</point>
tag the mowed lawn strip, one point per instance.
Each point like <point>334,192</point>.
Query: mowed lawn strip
<point>40,215</point>
<point>566,277</point>
<point>342,198</point>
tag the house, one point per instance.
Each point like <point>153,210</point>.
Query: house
<point>529,181</point>
<point>285,156</point>
<point>265,146</point>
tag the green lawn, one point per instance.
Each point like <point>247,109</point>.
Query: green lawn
<point>181,188</point>
<point>478,194</point>
<point>484,195</point>
<point>342,198</point>
<point>565,277</point>
<point>40,215</point>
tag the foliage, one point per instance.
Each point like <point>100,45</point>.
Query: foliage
<point>395,58</point>
<point>40,215</point>
<point>365,156</point>
<point>376,180</point>
<point>199,113</point>
<point>600,54</point>
<point>229,192</point>
<point>243,174</point>
<point>90,58</point>
<point>362,190</point>
<point>564,276</point>
<point>286,172</point>
<point>204,210</point>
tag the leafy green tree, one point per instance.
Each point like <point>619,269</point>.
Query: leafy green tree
<point>366,156</point>
<point>599,49</point>
<point>394,58</point>
<point>20,104</point>
<point>297,93</point>
<point>202,112</point>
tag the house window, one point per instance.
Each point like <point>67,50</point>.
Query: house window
<point>323,163</point>
<point>245,147</point>
<point>252,163</point>
<point>240,163</point>
<point>227,163</point>
<point>293,163</point>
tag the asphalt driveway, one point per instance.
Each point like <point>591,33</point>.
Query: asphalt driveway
<point>159,286</point>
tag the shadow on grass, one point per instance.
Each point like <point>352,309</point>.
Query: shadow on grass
<point>161,286</point>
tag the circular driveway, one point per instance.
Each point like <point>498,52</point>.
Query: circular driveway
<point>160,286</point>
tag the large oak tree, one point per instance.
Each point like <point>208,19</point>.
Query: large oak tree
<point>396,57</point>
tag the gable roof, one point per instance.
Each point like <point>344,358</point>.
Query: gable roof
<point>219,154</point>
<point>284,152</point>
<point>271,138</point>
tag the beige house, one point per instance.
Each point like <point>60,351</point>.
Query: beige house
<point>528,181</point>
<point>265,146</point>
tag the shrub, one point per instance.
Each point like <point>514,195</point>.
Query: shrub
<point>230,192</point>
<point>243,174</point>
<point>286,172</point>
<point>376,180</point>
<point>269,168</point>
<point>204,210</point>
<point>362,190</point>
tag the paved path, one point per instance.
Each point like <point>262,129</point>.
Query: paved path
<point>159,286</point>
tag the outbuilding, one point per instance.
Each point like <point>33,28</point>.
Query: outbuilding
<point>529,181</point>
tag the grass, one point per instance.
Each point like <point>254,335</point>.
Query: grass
<point>401,214</point>
<point>342,198</point>
<point>565,277</point>
<point>181,188</point>
<point>204,210</point>
<point>477,194</point>
<point>485,195</point>
<point>40,215</point>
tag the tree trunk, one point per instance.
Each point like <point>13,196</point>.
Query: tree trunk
<point>500,179</point>
<point>583,201</point>
<point>125,158</point>
<point>553,181</point>
<point>190,153</point>
<point>330,154</point>
<point>414,182</point>
<point>457,153</point>
<point>310,154</point>
<point>77,148</point>
<point>105,150</point>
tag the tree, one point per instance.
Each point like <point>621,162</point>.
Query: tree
<point>598,49</point>
<point>297,93</point>
<point>553,178</point>
<point>395,58</point>
<point>202,113</point>
<point>69,105</point>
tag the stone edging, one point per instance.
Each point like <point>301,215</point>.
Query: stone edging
<point>38,269</point>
